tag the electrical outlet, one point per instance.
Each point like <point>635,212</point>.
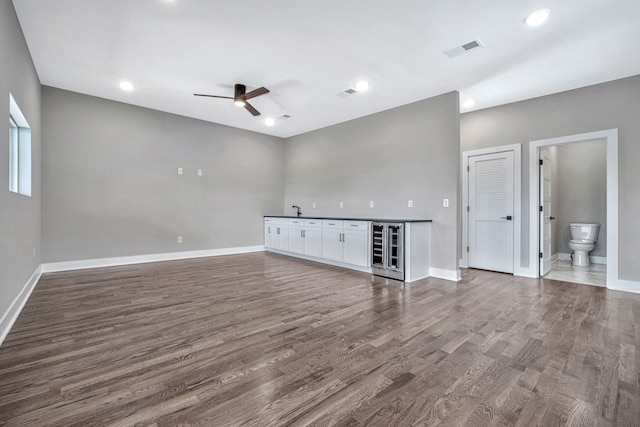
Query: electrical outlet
<point>370,203</point>
<point>445,203</point>
<point>313,205</point>
<point>199,172</point>
<point>410,204</point>
<point>179,239</point>
<point>341,205</point>
<point>179,171</point>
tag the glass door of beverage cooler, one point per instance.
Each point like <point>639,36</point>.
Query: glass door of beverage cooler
<point>378,245</point>
<point>395,247</point>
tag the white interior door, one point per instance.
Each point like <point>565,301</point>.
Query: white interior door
<point>491,211</point>
<point>545,211</point>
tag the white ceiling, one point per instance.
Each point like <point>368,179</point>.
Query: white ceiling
<point>306,52</point>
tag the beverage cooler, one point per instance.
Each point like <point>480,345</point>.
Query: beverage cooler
<point>387,249</point>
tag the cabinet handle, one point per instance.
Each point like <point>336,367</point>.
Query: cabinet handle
<point>343,236</point>
<point>278,231</point>
<point>301,233</point>
<point>269,230</point>
<point>354,225</point>
<point>331,223</point>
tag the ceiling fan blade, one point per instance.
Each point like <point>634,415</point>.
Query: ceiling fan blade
<point>256,92</point>
<point>250,108</point>
<point>213,96</point>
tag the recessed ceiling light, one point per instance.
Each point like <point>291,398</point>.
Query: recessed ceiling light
<point>469,103</point>
<point>537,18</point>
<point>269,121</point>
<point>362,86</point>
<point>128,86</point>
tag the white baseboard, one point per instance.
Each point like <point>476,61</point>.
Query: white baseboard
<point>10,317</point>
<point>439,273</point>
<point>592,259</point>
<point>141,259</point>
<point>624,285</point>
<point>323,261</point>
<point>462,264</point>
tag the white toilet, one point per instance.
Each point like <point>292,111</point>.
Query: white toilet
<point>583,240</point>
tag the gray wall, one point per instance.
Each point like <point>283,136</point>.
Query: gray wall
<point>19,215</point>
<point>409,152</point>
<point>582,190</point>
<point>599,107</point>
<point>111,187</point>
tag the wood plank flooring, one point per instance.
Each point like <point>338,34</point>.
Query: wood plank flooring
<point>266,340</point>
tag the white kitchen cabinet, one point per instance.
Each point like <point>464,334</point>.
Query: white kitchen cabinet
<point>346,241</point>
<point>355,241</point>
<point>276,233</point>
<point>296,236</point>
<point>332,239</point>
<point>313,237</point>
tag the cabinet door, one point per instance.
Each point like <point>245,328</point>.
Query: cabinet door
<point>356,247</point>
<point>282,238</point>
<point>268,235</point>
<point>296,241</point>
<point>332,244</point>
<point>313,242</point>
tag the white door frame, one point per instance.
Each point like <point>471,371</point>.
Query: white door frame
<point>611,138</point>
<point>517,201</point>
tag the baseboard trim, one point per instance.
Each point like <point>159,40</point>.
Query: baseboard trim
<point>592,259</point>
<point>142,259</point>
<point>18,303</point>
<point>624,286</point>
<point>439,273</point>
<point>323,261</point>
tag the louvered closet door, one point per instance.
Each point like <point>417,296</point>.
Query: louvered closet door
<point>491,211</point>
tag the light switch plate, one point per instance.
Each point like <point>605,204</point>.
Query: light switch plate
<point>370,203</point>
<point>341,205</point>
<point>445,203</point>
<point>199,172</point>
<point>313,205</point>
<point>179,171</point>
<point>410,204</point>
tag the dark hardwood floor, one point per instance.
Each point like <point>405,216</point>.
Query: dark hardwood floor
<point>266,340</point>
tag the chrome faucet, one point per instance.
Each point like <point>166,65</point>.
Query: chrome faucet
<point>298,208</point>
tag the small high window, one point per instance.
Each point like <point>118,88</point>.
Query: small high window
<point>19,150</point>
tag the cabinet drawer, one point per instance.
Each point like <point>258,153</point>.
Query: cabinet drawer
<point>356,225</point>
<point>332,223</point>
<point>275,221</point>
<point>313,223</point>
<point>297,221</point>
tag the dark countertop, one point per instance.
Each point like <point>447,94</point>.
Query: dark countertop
<point>348,218</point>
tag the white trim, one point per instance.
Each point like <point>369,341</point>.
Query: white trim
<point>322,260</point>
<point>439,273</point>
<point>141,259</point>
<point>11,315</point>
<point>624,285</point>
<point>611,137</point>
<point>592,259</point>
<point>517,203</point>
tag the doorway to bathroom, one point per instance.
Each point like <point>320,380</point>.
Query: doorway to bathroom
<point>573,179</point>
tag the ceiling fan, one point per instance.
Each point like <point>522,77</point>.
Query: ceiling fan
<point>241,97</point>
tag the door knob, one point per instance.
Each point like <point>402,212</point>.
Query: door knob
<point>508,217</point>
<point>552,217</point>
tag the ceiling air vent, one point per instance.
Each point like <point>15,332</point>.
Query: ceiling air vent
<point>284,117</point>
<point>457,51</point>
<point>347,92</point>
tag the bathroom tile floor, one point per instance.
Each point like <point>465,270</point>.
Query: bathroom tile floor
<point>595,274</point>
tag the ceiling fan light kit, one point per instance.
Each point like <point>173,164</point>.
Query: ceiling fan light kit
<point>241,96</point>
